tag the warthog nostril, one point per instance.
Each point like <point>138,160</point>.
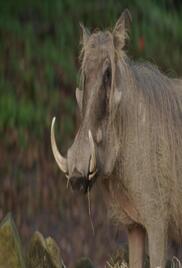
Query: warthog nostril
<point>80,184</point>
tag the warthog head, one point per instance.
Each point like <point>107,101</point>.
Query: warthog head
<point>95,148</point>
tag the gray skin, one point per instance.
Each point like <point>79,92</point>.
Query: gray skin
<point>130,139</point>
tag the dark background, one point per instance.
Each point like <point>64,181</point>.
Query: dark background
<point>39,71</point>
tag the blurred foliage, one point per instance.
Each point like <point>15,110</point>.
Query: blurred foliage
<point>43,252</point>
<point>10,246</point>
<point>39,48</point>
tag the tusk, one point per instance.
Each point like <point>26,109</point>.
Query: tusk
<point>61,161</point>
<point>92,167</point>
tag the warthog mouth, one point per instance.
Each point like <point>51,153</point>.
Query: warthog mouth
<point>82,184</point>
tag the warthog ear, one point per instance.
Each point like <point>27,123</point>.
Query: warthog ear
<point>121,29</point>
<point>79,98</point>
<point>85,34</point>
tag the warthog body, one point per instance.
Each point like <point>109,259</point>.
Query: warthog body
<point>130,137</point>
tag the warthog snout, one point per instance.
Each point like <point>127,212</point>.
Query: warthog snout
<point>80,166</point>
<point>81,184</point>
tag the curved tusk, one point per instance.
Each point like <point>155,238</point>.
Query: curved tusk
<point>92,167</point>
<point>61,161</point>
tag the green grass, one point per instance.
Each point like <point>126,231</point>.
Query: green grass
<point>39,49</point>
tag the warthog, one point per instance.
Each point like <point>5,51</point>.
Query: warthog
<point>130,137</point>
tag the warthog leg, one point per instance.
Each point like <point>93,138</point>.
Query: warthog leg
<point>157,242</point>
<point>136,242</point>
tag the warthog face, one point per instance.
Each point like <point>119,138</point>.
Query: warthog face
<point>95,148</point>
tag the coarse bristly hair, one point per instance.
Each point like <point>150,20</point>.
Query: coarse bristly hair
<point>148,124</point>
<point>151,127</point>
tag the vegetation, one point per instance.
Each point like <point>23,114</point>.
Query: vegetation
<point>39,54</point>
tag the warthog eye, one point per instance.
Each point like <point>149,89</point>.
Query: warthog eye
<point>107,77</point>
